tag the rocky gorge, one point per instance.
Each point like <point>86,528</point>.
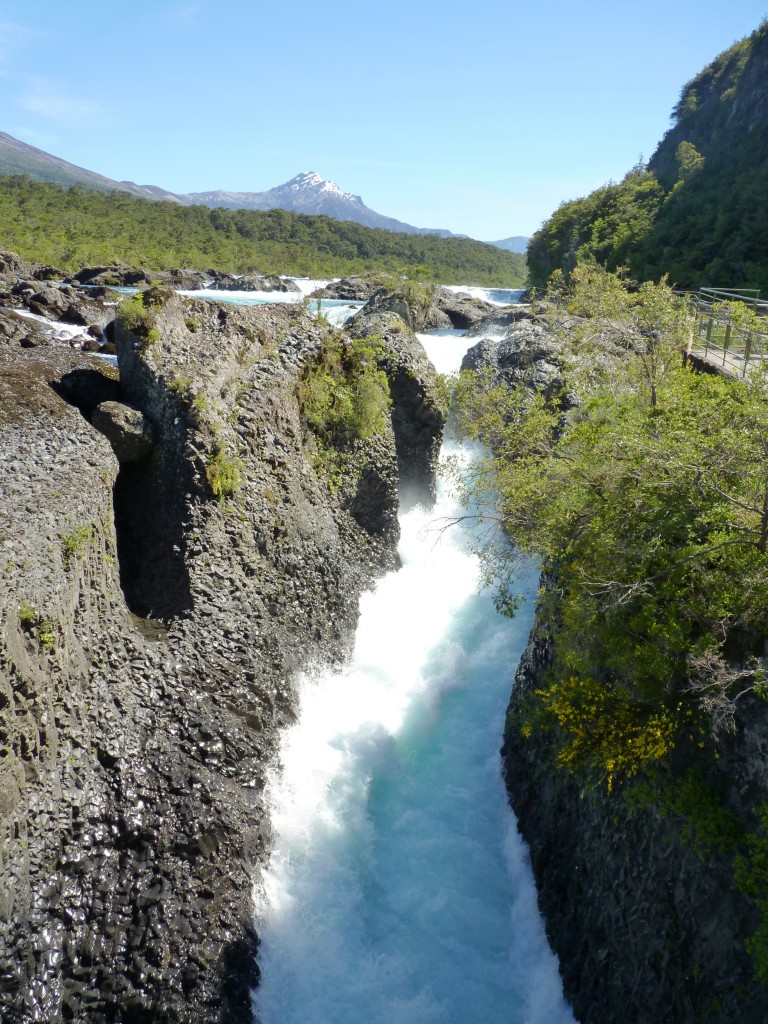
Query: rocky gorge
<point>173,551</point>
<point>171,556</point>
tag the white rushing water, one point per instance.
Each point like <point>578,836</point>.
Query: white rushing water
<point>399,891</point>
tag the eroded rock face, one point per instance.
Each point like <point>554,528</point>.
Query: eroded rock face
<point>152,619</point>
<point>526,354</point>
<point>457,310</point>
<point>357,288</point>
<point>418,409</point>
<point>645,927</point>
<point>128,430</point>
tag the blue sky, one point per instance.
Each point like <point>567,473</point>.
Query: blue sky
<point>480,118</point>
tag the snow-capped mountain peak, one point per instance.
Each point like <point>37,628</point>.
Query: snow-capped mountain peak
<point>312,182</point>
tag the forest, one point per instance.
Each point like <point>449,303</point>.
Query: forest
<point>75,227</point>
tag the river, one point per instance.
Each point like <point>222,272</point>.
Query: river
<point>399,890</point>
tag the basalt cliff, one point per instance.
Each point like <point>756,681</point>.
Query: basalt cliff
<point>171,557</point>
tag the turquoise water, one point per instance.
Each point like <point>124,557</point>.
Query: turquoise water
<point>399,891</point>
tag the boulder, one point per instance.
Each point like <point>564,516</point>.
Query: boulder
<point>500,321</point>
<point>529,354</point>
<point>457,310</point>
<point>252,283</point>
<point>10,263</point>
<point>130,433</point>
<point>48,273</point>
<point>117,274</point>
<point>357,288</point>
<point>186,280</point>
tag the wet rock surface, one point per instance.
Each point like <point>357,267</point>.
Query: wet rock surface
<point>152,622</point>
<point>252,283</point>
<point>357,288</point>
<point>526,353</point>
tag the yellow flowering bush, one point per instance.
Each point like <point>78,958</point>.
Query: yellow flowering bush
<point>606,731</point>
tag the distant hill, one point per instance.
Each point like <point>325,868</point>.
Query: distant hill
<point>306,193</point>
<point>517,243</point>
<point>20,158</point>
<point>310,193</point>
<point>698,211</point>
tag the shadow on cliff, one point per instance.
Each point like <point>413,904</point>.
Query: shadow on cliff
<point>150,543</point>
<point>148,512</point>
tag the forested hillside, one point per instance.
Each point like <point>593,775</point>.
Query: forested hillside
<point>75,227</point>
<point>698,210</point>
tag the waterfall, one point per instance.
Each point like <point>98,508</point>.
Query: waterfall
<point>398,890</point>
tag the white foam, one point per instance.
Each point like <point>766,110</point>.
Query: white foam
<point>398,891</point>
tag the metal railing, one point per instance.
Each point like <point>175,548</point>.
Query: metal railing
<point>734,349</point>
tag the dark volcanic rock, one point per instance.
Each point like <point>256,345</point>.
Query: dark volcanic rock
<point>500,321</point>
<point>152,621</point>
<point>645,927</point>
<point>128,430</point>
<point>48,273</point>
<point>11,264</point>
<point>528,354</point>
<point>252,283</point>
<point>62,303</point>
<point>457,310</point>
<point>115,275</point>
<point>187,280</point>
<point>418,410</point>
<point>17,330</point>
<point>354,289</point>
<point>429,308</point>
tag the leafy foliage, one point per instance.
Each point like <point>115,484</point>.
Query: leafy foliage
<point>135,315</point>
<point>752,880</point>
<point>224,474</point>
<point>604,728</point>
<point>697,212</point>
<point>649,500</point>
<point>75,227</point>
<point>344,397</point>
<point>606,226</point>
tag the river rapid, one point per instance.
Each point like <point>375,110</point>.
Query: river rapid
<point>399,890</point>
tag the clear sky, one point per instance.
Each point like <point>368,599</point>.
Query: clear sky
<point>477,117</point>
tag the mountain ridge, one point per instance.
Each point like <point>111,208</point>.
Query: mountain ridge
<point>307,192</point>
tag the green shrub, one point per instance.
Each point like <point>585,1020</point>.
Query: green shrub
<point>46,634</point>
<point>138,318</point>
<point>74,542</point>
<point>27,617</point>
<point>224,474</point>
<point>344,396</point>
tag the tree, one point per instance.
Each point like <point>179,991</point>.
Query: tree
<point>647,502</point>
